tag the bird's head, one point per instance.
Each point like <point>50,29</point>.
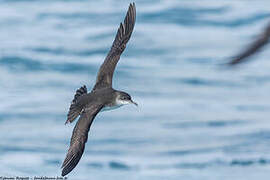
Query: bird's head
<point>123,98</point>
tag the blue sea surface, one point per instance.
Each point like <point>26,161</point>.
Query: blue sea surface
<point>196,120</point>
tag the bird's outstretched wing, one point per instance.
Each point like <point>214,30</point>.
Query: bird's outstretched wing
<point>253,48</point>
<point>79,138</point>
<point>105,74</point>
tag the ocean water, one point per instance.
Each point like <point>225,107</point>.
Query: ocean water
<point>196,119</point>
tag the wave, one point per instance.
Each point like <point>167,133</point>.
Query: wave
<point>15,63</point>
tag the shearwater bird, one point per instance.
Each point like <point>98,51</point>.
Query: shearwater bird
<point>254,47</point>
<point>102,97</point>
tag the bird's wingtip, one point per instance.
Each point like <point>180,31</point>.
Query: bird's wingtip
<point>64,171</point>
<point>63,174</point>
<point>132,5</point>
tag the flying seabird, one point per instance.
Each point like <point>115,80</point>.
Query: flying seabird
<point>253,47</point>
<point>102,97</point>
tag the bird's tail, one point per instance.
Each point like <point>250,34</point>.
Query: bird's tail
<point>74,109</point>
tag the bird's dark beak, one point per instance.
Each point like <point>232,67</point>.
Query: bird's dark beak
<point>134,103</point>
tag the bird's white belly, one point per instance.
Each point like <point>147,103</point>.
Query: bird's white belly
<point>108,108</point>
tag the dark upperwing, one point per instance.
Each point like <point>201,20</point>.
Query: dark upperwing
<point>253,47</point>
<point>79,138</point>
<point>105,74</point>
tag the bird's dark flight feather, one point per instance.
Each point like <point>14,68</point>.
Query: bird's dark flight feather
<point>105,74</point>
<point>79,138</point>
<point>253,48</point>
<point>74,109</point>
